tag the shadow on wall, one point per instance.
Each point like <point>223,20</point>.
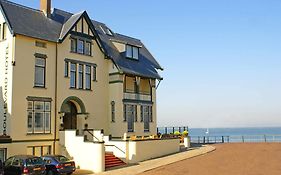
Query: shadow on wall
<point>65,153</point>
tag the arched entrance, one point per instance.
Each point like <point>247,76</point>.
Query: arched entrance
<point>72,110</point>
<point>70,117</point>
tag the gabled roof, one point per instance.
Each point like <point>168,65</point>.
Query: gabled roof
<point>69,24</point>
<point>33,23</point>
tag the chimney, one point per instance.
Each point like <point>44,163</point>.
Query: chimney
<point>45,6</point>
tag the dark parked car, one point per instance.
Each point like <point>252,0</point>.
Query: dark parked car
<point>24,164</point>
<point>58,164</point>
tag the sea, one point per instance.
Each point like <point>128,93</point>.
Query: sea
<point>234,131</point>
<point>250,134</point>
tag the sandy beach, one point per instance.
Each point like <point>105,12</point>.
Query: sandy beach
<point>229,159</point>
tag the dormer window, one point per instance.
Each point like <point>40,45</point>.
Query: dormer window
<point>106,31</point>
<point>132,52</point>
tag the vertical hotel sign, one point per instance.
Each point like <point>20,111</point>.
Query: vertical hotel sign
<point>5,95</point>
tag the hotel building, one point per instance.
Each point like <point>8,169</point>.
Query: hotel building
<point>63,71</point>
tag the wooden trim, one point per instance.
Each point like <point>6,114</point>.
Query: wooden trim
<point>117,81</point>
<point>80,62</point>
<point>81,35</point>
<point>115,73</point>
<point>137,101</point>
<point>32,98</point>
<point>39,55</point>
<point>38,140</point>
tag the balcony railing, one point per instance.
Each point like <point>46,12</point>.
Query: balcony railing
<point>137,96</point>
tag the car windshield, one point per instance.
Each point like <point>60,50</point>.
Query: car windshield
<point>61,159</point>
<point>34,161</point>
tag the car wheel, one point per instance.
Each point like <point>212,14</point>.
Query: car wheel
<point>69,173</point>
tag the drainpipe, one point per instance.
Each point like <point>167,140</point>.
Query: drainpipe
<point>56,92</point>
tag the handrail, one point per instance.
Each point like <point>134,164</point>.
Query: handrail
<point>88,131</point>
<point>117,148</point>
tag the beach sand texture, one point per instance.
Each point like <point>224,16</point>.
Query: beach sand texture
<point>229,159</point>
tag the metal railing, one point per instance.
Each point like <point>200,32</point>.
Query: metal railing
<point>116,147</point>
<point>169,130</point>
<point>89,135</point>
<point>256,138</point>
<point>235,139</point>
<point>209,139</point>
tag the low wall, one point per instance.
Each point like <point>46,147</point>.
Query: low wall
<point>148,149</point>
<point>140,150</point>
<point>87,155</point>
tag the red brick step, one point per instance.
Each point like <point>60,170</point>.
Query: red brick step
<point>112,161</point>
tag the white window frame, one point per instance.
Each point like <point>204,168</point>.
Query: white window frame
<point>46,113</point>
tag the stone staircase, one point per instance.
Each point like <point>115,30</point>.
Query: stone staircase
<point>112,161</point>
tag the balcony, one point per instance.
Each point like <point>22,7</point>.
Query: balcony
<point>137,96</point>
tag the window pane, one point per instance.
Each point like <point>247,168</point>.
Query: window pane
<point>73,75</point>
<point>113,111</point>
<point>88,48</point>
<point>73,45</point>
<point>73,67</point>
<point>80,80</point>
<point>47,122</point>
<point>88,81</point>
<point>39,76</point>
<point>47,106</point>
<point>80,76</point>
<point>73,79</point>
<point>94,73</point>
<point>88,69</point>
<point>129,53</point>
<point>3,153</point>
<point>66,67</point>
<point>38,122</point>
<point>30,105</point>
<point>40,62</point>
<point>135,52</point>
<point>39,106</point>
<point>80,46</point>
<point>80,68</point>
<point>29,122</point>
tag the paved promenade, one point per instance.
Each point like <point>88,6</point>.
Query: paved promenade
<point>154,163</point>
<point>229,159</point>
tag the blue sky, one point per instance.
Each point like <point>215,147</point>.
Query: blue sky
<point>222,58</point>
